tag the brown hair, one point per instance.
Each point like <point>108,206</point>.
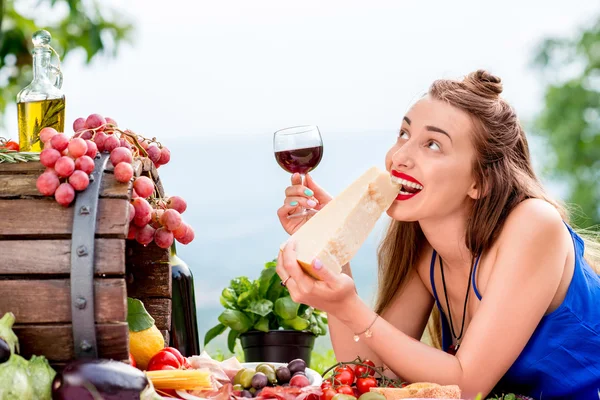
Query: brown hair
<point>502,170</point>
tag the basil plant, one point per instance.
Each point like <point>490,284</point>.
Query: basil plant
<point>263,305</point>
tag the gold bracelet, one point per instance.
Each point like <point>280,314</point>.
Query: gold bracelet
<point>367,331</point>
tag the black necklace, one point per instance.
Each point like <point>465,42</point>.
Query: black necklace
<point>454,348</point>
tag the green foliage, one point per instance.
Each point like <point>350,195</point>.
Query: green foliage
<point>570,121</point>
<point>321,360</point>
<point>263,305</point>
<point>85,25</point>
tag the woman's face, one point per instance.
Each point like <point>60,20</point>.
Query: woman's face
<point>434,152</point>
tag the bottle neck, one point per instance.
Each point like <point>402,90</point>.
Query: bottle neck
<point>173,250</point>
<point>41,62</point>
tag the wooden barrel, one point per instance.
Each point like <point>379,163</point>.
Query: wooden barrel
<point>35,266</point>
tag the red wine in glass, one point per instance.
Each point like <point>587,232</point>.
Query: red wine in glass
<point>298,149</point>
<point>300,161</point>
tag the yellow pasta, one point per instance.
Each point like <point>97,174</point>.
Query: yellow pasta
<point>180,379</point>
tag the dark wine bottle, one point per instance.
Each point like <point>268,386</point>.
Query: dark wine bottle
<point>184,323</point>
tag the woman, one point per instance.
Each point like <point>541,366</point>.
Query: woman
<point>481,243</point>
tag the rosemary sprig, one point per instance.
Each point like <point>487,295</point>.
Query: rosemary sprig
<point>11,156</point>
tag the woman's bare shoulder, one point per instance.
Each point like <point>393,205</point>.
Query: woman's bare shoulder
<point>533,218</point>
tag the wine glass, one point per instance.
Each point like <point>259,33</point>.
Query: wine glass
<point>298,149</point>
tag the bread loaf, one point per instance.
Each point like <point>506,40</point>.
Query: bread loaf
<point>420,390</point>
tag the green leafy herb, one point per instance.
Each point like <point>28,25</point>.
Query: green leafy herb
<point>137,316</point>
<point>260,307</point>
<point>263,305</point>
<point>236,320</point>
<point>6,332</point>
<point>286,308</point>
<point>214,332</point>
<point>231,338</point>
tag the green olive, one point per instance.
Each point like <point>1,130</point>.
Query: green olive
<point>269,372</point>
<point>341,396</point>
<point>238,387</point>
<point>236,379</point>
<point>246,378</point>
<point>371,396</point>
<point>263,364</point>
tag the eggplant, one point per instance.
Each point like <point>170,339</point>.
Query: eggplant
<point>4,351</point>
<point>102,379</point>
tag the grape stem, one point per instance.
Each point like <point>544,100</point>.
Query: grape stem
<point>129,134</point>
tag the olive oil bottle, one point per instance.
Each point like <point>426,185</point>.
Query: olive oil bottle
<point>41,103</point>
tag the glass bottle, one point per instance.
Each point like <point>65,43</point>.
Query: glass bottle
<point>184,323</point>
<point>41,103</point>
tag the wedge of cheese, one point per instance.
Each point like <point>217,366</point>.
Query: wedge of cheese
<point>336,232</point>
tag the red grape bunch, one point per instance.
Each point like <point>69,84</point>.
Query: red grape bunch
<point>162,223</point>
<point>69,162</point>
<point>107,136</point>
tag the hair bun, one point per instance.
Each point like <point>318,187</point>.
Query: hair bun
<point>484,84</point>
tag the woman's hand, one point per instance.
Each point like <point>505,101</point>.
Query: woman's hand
<point>331,293</point>
<point>298,195</point>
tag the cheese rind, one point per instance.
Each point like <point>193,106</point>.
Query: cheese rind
<point>337,231</point>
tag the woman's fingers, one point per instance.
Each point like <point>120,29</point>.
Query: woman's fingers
<point>293,269</point>
<point>279,268</point>
<point>319,193</point>
<point>294,201</point>
<point>299,191</point>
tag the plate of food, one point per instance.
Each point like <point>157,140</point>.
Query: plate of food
<point>295,374</point>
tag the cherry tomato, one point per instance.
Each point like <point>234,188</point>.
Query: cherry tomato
<point>364,384</point>
<point>328,393</point>
<point>363,371</point>
<point>11,145</point>
<point>132,360</point>
<point>344,376</point>
<point>326,384</point>
<point>162,360</point>
<point>345,389</point>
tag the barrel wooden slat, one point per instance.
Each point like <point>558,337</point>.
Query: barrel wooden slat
<point>160,310</point>
<point>55,342</point>
<point>35,167</point>
<point>21,168</point>
<point>12,186</point>
<point>35,247</point>
<point>53,257</point>
<point>33,217</point>
<point>49,300</point>
<point>152,281</point>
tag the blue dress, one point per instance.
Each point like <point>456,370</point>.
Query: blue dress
<point>562,358</point>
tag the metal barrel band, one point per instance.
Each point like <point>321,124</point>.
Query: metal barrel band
<point>82,264</point>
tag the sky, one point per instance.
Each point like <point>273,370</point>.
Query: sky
<point>214,68</point>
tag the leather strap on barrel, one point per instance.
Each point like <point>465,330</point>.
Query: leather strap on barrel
<point>82,264</point>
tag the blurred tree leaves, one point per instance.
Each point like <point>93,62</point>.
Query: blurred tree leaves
<point>74,24</point>
<point>570,119</point>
